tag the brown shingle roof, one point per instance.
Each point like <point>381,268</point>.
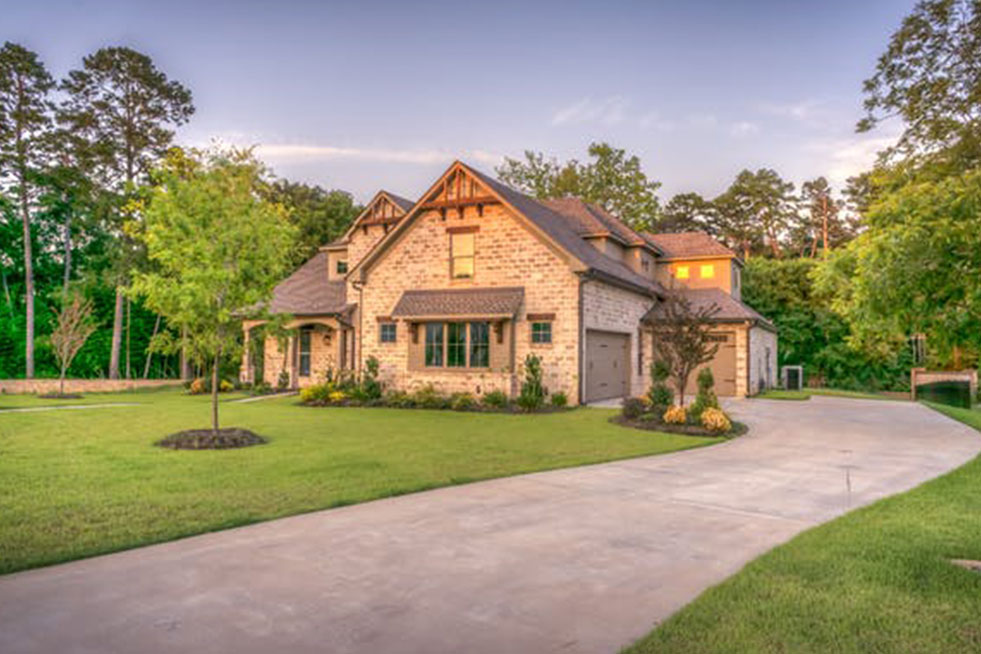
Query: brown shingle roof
<point>591,219</point>
<point>489,302</point>
<point>307,292</point>
<point>402,203</point>
<point>688,244</point>
<point>730,309</point>
<point>559,229</point>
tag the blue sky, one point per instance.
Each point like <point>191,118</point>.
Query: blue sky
<point>363,95</point>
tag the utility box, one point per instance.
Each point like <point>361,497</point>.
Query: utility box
<point>792,377</point>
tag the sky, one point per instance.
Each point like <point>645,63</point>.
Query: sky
<point>368,95</point>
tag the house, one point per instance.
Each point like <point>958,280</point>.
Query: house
<point>458,287</point>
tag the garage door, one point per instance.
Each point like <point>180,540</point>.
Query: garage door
<point>607,365</point>
<point>723,366</point>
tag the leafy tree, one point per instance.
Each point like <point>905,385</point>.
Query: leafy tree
<point>218,249</point>
<point>930,77</point>
<point>681,338</point>
<point>25,127</point>
<point>613,180</point>
<point>824,223</point>
<point>756,211</point>
<point>73,328</point>
<point>320,216</point>
<point>119,114</point>
<point>688,212</point>
<point>916,269</point>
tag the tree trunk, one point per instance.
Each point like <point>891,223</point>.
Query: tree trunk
<point>149,352</point>
<point>68,252</point>
<point>28,278</point>
<point>185,362</point>
<point>117,335</point>
<point>214,392</point>
<point>61,383</point>
<point>6,293</point>
<point>824,214</point>
<point>129,322</point>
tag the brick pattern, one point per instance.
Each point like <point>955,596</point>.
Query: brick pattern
<point>506,255</point>
<point>613,309</point>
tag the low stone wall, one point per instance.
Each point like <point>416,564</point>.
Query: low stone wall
<point>81,385</point>
<point>923,376</point>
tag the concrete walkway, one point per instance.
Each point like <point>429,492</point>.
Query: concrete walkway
<point>69,407</point>
<point>575,560</point>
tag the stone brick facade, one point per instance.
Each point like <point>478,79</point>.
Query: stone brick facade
<point>612,309</point>
<point>763,354</point>
<point>506,254</point>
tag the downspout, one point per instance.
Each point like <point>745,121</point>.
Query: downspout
<point>749,362</point>
<point>583,278</point>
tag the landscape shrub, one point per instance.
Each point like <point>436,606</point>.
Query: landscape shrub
<point>371,388</point>
<point>462,402</point>
<point>660,395</point>
<point>705,399</point>
<point>633,408</point>
<point>225,386</point>
<point>676,415</point>
<point>202,385</point>
<point>399,400</point>
<point>283,382</point>
<point>495,400</point>
<point>533,392</point>
<point>715,420</point>
<point>337,396</point>
<point>559,400</point>
<point>316,393</point>
<point>428,397</point>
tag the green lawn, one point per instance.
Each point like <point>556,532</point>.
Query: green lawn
<point>876,580</point>
<point>780,394</point>
<point>88,481</point>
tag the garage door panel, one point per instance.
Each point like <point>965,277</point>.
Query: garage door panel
<point>723,367</point>
<point>607,365</point>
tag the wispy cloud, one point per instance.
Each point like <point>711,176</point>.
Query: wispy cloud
<point>703,121</point>
<point>849,156</point>
<point>802,110</point>
<point>744,128</point>
<point>608,111</point>
<point>653,120</point>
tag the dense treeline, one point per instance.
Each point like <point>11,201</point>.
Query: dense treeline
<point>76,157</point>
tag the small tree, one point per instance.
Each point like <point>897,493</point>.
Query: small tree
<point>217,250</point>
<point>533,392</point>
<point>660,395</point>
<point>681,337</point>
<point>73,328</point>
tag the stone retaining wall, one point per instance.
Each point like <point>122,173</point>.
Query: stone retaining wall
<point>81,385</point>
<point>920,376</point>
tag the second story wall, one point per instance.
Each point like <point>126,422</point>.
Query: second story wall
<point>701,273</point>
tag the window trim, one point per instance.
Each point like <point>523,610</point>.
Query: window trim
<point>545,329</point>
<point>467,345</point>
<point>390,325</point>
<point>463,233</point>
<point>300,354</point>
<point>341,263</point>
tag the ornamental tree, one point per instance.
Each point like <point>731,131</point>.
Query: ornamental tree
<point>681,338</point>
<point>216,250</point>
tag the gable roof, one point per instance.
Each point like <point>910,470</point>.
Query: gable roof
<point>308,293</point>
<point>730,309</point>
<point>689,245</point>
<point>589,219</point>
<point>366,216</point>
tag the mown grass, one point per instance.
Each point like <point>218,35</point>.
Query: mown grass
<point>89,481</point>
<point>876,580</point>
<point>781,394</point>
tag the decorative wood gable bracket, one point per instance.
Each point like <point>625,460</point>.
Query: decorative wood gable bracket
<point>459,191</point>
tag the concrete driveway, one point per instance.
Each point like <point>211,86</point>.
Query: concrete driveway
<point>576,560</point>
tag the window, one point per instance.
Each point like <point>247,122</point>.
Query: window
<point>342,267</point>
<point>706,271</point>
<point>456,344</point>
<point>434,344</point>
<point>541,332</point>
<point>645,264</point>
<point>467,345</point>
<point>479,345</point>
<point>681,272</point>
<point>387,332</point>
<point>462,254</point>
<point>305,352</point>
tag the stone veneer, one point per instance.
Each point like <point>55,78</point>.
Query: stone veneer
<point>613,309</point>
<point>759,376</point>
<point>82,385</point>
<point>506,255</point>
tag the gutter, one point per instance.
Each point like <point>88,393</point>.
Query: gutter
<point>583,278</point>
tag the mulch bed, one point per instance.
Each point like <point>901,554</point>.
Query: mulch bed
<point>477,408</point>
<point>738,428</point>
<point>60,396</point>
<point>206,439</point>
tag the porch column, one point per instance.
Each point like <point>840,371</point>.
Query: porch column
<point>294,356</point>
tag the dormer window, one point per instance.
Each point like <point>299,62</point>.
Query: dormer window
<point>342,267</point>
<point>682,272</point>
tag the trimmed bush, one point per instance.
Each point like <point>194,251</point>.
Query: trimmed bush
<point>559,400</point>
<point>716,421</point>
<point>660,395</point>
<point>676,415</point>
<point>633,408</point>
<point>533,392</point>
<point>495,400</point>
<point>428,397</point>
<point>705,399</point>
<point>462,402</point>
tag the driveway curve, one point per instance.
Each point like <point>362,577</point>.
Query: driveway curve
<point>575,560</point>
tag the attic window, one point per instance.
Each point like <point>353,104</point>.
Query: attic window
<point>682,272</point>
<point>707,271</point>
<point>461,254</point>
<point>342,267</point>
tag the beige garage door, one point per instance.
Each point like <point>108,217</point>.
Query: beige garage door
<point>607,365</point>
<point>723,366</point>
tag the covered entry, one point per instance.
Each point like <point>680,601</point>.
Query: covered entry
<point>607,365</point>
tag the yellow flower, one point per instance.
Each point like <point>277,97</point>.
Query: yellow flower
<point>676,415</point>
<point>715,420</point>
<point>337,396</point>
